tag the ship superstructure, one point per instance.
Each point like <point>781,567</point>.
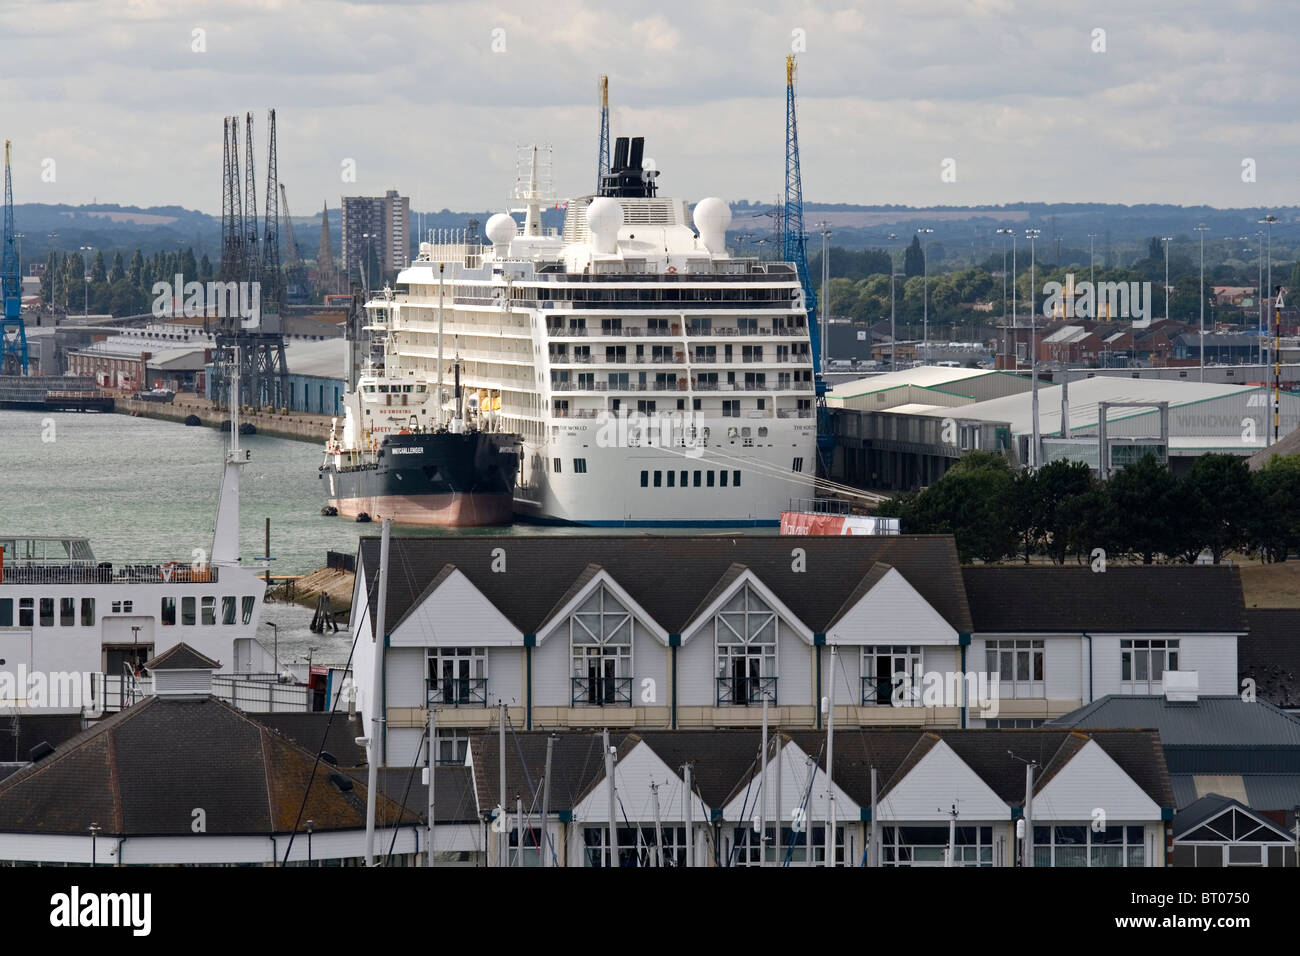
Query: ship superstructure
<point>655,379</point>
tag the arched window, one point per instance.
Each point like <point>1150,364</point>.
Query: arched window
<point>600,642</point>
<point>745,640</point>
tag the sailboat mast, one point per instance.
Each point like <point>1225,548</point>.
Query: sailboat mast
<point>830,763</point>
<point>376,692</point>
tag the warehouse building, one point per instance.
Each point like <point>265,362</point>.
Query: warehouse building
<point>910,445</point>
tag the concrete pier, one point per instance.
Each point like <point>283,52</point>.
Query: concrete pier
<point>301,426</point>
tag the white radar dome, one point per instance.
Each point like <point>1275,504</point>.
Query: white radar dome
<point>712,217</point>
<point>501,228</point>
<point>604,217</point>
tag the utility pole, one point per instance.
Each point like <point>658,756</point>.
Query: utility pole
<point>502,839</point>
<point>830,763</point>
<point>376,684</point>
<point>610,789</point>
<point>1201,229</point>
<point>826,302</point>
<point>1032,235</point>
<point>925,297</point>
<point>1166,240</point>
<point>546,802</point>
<point>762,785</point>
<point>432,764</point>
<point>873,832</point>
<point>689,816</point>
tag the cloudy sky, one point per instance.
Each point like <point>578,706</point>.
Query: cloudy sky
<point>431,97</point>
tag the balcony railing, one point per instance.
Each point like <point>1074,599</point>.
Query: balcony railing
<point>457,692</point>
<point>877,691</point>
<point>601,691</point>
<point>109,574</point>
<point>743,691</point>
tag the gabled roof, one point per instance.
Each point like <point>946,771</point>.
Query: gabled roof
<point>669,576</point>
<point>182,657</point>
<point>869,581</point>
<point>1142,599</point>
<point>1211,808</point>
<point>315,730</point>
<point>144,770</point>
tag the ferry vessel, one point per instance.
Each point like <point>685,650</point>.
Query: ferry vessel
<point>654,378</point>
<point>63,612</point>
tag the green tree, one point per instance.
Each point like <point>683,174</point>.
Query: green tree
<point>1144,495</point>
<point>1217,500</point>
<point>135,272</point>
<point>118,271</point>
<point>205,268</point>
<point>1275,526</point>
<point>972,503</point>
<point>125,298</point>
<point>1054,487</point>
<point>47,278</point>
<point>98,271</point>
<point>914,259</point>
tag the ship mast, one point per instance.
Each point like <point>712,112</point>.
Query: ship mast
<point>441,267</point>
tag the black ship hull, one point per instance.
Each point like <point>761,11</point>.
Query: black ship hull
<point>438,479</point>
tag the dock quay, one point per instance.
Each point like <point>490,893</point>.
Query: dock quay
<point>300,426</point>
<point>61,393</point>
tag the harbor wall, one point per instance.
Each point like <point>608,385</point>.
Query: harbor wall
<point>296,425</point>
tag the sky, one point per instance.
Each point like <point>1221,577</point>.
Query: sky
<point>924,102</point>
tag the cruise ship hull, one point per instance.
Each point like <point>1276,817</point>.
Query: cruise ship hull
<point>630,486</point>
<point>439,480</point>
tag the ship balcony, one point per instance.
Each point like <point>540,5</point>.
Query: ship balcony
<point>456,692</point>
<point>677,385</point>
<point>601,691</point>
<point>106,573</point>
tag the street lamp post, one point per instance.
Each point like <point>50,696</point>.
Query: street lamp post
<point>1032,235</point>
<point>1004,233</point>
<point>365,261</point>
<point>310,826</point>
<point>1202,229</point>
<point>1165,240</point>
<point>1092,269</point>
<point>85,281</point>
<point>1263,326</point>
<point>893,312</point>
<point>925,297</point>
<point>95,830</point>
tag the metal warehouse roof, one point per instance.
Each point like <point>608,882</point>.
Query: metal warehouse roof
<point>1211,721</point>
<point>1084,396</point>
<point>1071,333</point>
<point>323,359</point>
<point>925,376</point>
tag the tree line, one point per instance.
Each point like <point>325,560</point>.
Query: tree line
<point>1143,513</point>
<point>122,287</point>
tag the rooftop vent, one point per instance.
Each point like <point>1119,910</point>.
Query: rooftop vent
<point>1181,687</point>
<point>342,781</point>
<point>40,751</point>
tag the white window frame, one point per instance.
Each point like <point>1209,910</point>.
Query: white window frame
<point>1045,851</point>
<point>1001,652</point>
<point>731,645</point>
<point>475,657</point>
<point>593,639</point>
<point>1135,649</point>
<point>911,656</point>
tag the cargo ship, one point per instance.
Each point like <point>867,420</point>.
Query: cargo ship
<point>401,455</point>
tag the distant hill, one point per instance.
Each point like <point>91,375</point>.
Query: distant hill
<point>961,233</point>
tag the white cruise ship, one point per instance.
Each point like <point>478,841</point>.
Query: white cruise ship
<point>656,380</point>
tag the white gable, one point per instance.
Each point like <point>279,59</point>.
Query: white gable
<point>633,775</point>
<point>702,620</point>
<point>456,614</point>
<point>892,612</point>
<point>793,792</point>
<point>1073,794</point>
<point>938,781</point>
<point>602,578</point>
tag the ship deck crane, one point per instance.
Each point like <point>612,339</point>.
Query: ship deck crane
<point>13,334</point>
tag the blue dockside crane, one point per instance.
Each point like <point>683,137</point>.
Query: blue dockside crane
<point>796,252</point>
<point>13,335</point>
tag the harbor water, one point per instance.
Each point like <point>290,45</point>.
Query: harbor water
<point>145,491</point>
